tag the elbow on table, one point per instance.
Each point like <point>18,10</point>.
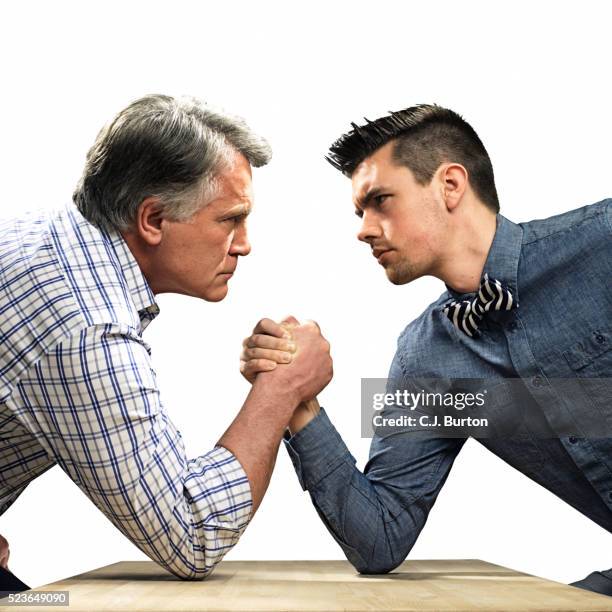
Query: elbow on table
<point>184,572</point>
<point>377,566</point>
<point>192,566</point>
<point>196,559</point>
<point>381,561</point>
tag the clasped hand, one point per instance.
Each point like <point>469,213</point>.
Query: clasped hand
<point>304,355</point>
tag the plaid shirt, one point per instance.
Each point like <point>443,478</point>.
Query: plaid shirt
<point>77,388</point>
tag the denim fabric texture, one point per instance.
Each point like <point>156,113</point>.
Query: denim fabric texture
<point>560,271</point>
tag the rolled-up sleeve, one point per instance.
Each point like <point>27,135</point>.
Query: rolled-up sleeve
<point>94,405</point>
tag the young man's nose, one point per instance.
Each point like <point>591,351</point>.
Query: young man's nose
<point>369,230</point>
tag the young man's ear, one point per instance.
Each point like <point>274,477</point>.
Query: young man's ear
<point>454,178</point>
<point>149,220</point>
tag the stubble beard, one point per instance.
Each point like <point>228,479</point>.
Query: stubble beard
<point>401,272</point>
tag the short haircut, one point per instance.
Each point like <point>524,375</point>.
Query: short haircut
<point>171,148</point>
<point>426,136</point>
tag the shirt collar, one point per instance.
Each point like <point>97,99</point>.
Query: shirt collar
<point>139,288</point>
<point>503,257</point>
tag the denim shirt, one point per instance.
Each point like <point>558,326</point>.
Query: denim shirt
<point>560,271</point>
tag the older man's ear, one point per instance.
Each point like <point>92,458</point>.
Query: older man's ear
<point>148,222</point>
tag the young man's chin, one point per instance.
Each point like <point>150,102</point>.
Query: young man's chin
<point>401,275</point>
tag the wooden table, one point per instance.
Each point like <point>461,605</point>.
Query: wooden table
<point>463,584</point>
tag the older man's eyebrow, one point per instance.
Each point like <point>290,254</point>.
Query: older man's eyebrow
<point>240,209</point>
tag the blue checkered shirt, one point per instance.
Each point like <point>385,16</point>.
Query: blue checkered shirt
<point>77,389</point>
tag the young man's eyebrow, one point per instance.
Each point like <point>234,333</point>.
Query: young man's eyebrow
<point>369,195</point>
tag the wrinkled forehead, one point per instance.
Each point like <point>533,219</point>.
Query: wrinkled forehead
<point>236,181</point>
<point>232,193</point>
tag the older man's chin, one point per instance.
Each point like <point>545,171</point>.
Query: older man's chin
<point>217,292</point>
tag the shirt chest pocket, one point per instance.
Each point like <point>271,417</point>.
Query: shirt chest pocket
<point>592,356</point>
<point>591,362</point>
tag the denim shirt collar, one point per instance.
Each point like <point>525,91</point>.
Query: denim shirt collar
<point>502,260</point>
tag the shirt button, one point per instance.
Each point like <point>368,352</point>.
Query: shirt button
<point>537,381</point>
<point>512,325</point>
<point>572,439</point>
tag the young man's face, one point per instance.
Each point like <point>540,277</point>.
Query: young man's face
<point>402,221</point>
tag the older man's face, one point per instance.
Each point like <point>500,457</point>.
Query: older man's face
<point>200,256</point>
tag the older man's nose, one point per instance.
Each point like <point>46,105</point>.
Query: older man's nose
<point>241,244</point>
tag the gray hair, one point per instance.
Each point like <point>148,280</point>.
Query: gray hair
<point>171,148</point>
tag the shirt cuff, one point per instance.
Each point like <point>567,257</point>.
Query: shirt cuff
<point>230,489</point>
<point>316,450</point>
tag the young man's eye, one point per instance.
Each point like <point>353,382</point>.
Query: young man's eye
<point>379,199</point>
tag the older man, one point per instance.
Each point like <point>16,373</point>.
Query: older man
<point>161,207</point>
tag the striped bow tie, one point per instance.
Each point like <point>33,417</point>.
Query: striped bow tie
<point>467,314</point>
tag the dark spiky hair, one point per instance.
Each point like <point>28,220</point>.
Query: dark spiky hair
<point>427,135</point>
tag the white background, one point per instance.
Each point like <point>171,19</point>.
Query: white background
<point>532,79</point>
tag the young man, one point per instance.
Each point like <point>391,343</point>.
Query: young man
<point>161,207</point>
<point>423,184</point>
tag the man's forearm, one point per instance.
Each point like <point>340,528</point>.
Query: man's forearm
<point>255,434</point>
<point>375,515</point>
<point>354,510</point>
<point>303,414</point>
